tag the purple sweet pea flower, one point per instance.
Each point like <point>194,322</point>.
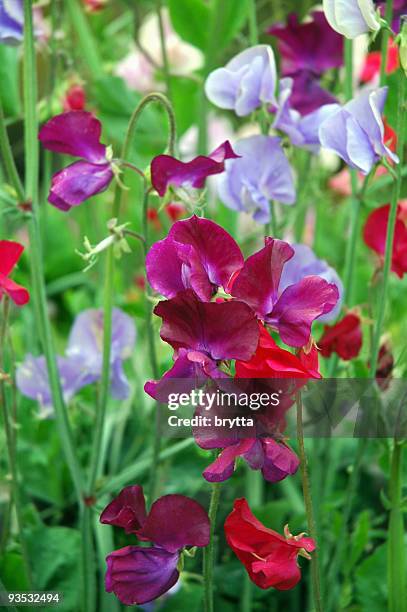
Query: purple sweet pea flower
<point>196,254</point>
<point>291,311</point>
<point>310,46</point>
<point>137,575</point>
<point>202,334</point>
<point>307,94</point>
<point>356,132</point>
<point>77,133</point>
<point>11,21</point>
<point>167,170</point>
<point>302,131</point>
<point>306,263</point>
<point>245,83</point>
<point>351,18</point>
<point>262,174</point>
<point>82,364</point>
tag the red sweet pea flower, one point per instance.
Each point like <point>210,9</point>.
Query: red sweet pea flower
<point>271,361</point>
<point>94,6</point>
<point>343,338</point>
<point>75,99</point>
<point>374,235</point>
<point>269,558</point>
<point>372,63</point>
<point>10,253</point>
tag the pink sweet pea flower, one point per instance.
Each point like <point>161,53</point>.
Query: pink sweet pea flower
<point>10,253</point>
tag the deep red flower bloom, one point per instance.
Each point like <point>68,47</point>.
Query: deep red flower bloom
<point>10,253</point>
<point>167,170</point>
<point>94,6</point>
<point>344,338</point>
<point>154,219</point>
<point>271,361</point>
<point>271,560</point>
<point>135,574</point>
<point>75,98</point>
<point>384,366</point>
<point>371,67</point>
<point>175,211</point>
<point>374,235</point>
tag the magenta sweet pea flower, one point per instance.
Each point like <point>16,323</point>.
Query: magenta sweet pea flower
<point>245,83</point>
<point>302,131</point>
<point>203,334</point>
<point>77,133</point>
<point>167,170</point>
<point>262,174</point>
<point>197,254</point>
<point>135,574</point>
<point>292,311</point>
<point>307,94</point>
<point>355,132</point>
<point>308,46</point>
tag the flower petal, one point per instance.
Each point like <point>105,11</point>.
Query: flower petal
<point>138,575</point>
<point>10,253</point>
<point>75,133</point>
<point>18,294</point>
<point>127,510</point>
<point>78,182</point>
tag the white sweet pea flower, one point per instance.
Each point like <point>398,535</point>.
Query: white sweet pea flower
<point>351,18</point>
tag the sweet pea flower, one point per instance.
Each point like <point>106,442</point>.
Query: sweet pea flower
<point>197,254</point>
<point>77,133</point>
<point>371,68</point>
<point>139,574</point>
<point>167,170</point>
<point>344,338</point>
<point>74,98</point>
<point>308,46</point>
<point>270,559</point>
<point>202,334</point>
<point>261,174</point>
<point>305,263</point>
<point>351,18</point>
<point>356,132</point>
<point>290,311</point>
<point>375,233</point>
<point>302,131</point>
<point>82,364</point>
<point>245,83</point>
<point>10,253</point>
<point>11,21</point>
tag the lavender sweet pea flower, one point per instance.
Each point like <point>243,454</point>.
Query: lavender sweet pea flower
<point>167,170</point>
<point>196,254</point>
<point>82,364</point>
<point>261,174</point>
<point>305,263</point>
<point>310,46</point>
<point>245,83</point>
<point>356,132</point>
<point>77,133</point>
<point>351,18</point>
<point>292,311</point>
<point>137,575</point>
<point>11,21</point>
<point>302,131</point>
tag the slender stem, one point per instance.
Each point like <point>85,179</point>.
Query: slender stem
<point>385,42</point>
<point>87,43</point>
<point>274,223</point>
<point>8,159</point>
<point>208,553</point>
<point>396,545</point>
<point>10,444</point>
<point>253,29</point>
<point>88,560</point>
<point>164,54</point>
<point>31,189</point>
<point>400,131</point>
<point>309,511</point>
<point>254,495</point>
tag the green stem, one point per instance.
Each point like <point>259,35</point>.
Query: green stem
<point>273,215</point>
<point>88,560</point>
<point>254,495</point>
<point>10,445</point>
<point>309,511</point>
<point>8,159</point>
<point>396,544</point>
<point>253,29</point>
<point>86,39</point>
<point>385,42</point>
<point>166,65</point>
<point>400,131</point>
<point>31,193</point>
<point>208,553</point>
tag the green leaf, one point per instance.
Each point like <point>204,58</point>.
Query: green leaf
<point>371,586</point>
<point>190,19</point>
<point>234,17</point>
<point>359,540</point>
